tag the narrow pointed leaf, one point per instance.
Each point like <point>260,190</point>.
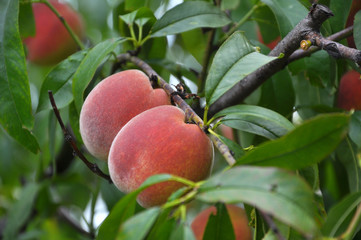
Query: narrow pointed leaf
<point>282,194</point>
<point>59,82</point>
<point>124,209</point>
<point>88,66</point>
<point>187,16</point>
<point>308,144</point>
<point>219,225</point>
<point>255,119</point>
<point>138,226</point>
<point>15,101</point>
<point>234,60</point>
<point>340,215</point>
<point>347,154</point>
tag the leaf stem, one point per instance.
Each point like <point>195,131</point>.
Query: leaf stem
<point>63,21</point>
<point>242,21</point>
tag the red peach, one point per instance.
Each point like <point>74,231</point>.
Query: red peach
<point>111,104</point>
<point>349,92</point>
<point>52,42</point>
<point>238,218</point>
<point>158,141</point>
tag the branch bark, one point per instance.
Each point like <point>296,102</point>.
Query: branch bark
<point>289,44</point>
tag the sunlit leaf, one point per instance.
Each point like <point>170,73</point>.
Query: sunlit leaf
<point>234,60</point>
<point>187,16</point>
<point>88,66</point>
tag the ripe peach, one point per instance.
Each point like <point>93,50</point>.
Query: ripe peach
<point>111,104</point>
<point>154,142</point>
<point>238,218</point>
<point>355,7</point>
<point>349,92</point>
<point>52,42</point>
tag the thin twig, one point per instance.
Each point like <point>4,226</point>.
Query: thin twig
<point>190,114</point>
<point>68,137</point>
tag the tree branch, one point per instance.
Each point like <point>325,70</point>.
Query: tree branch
<point>92,166</point>
<point>312,23</point>
<point>189,113</point>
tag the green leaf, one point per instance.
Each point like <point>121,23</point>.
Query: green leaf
<point>340,215</point>
<point>341,10</point>
<point>237,150</point>
<point>15,101</point>
<point>282,194</point>
<point>278,93</point>
<point>234,60</point>
<point>26,20</point>
<point>287,12</point>
<point>138,226</point>
<point>347,155</point>
<point>125,209</point>
<point>21,210</point>
<point>59,82</point>
<point>355,128</point>
<point>219,226</point>
<point>182,232</point>
<point>187,16</point>
<point>257,120</point>
<point>88,66</point>
<point>357,34</point>
<point>308,144</point>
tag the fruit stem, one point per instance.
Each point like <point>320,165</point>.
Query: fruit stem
<point>63,21</point>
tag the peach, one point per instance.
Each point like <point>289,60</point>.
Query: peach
<point>111,104</point>
<point>238,217</point>
<point>349,92</point>
<point>52,42</point>
<point>159,141</point>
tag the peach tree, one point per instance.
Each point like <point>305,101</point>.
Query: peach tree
<point>259,78</point>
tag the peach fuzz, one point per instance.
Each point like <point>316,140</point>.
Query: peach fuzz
<point>238,218</point>
<point>111,104</point>
<point>349,92</point>
<point>159,141</point>
<point>52,42</point>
